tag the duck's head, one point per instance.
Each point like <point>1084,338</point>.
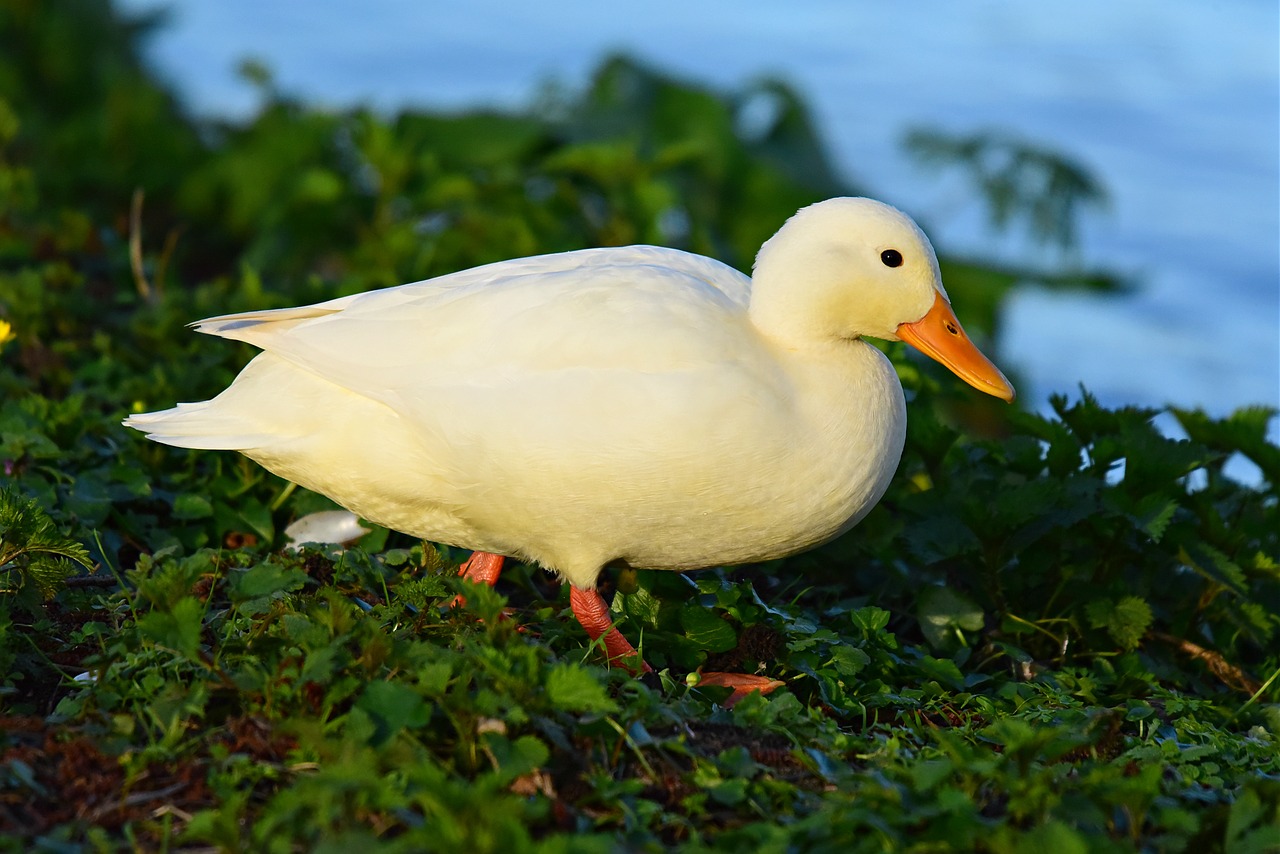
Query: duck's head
<point>845,268</point>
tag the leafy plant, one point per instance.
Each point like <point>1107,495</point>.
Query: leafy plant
<point>33,555</point>
<point>1017,179</point>
<point>1054,632</point>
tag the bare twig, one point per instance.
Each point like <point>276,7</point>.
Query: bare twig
<point>166,255</point>
<point>133,800</point>
<point>91,581</point>
<point>135,247</point>
<point>1231,676</point>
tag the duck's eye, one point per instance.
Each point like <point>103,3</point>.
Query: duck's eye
<point>891,258</point>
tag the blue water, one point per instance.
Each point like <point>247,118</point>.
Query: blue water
<point>1174,105</point>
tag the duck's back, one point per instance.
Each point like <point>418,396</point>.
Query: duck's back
<point>543,312</point>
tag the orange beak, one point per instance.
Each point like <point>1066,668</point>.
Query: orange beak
<point>939,336</point>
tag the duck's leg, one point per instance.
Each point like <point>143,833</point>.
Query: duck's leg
<point>592,612</point>
<point>482,568</point>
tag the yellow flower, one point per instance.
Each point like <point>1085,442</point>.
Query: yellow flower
<point>6,333</point>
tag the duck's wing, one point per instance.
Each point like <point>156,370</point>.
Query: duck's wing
<point>641,309</point>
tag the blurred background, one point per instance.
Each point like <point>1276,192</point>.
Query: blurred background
<point>1102,180</point>
<point>1170,107</point>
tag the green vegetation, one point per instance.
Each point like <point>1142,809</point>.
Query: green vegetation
<point>1054,634</point>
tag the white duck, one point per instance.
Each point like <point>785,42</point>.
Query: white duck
<point>639,404</point>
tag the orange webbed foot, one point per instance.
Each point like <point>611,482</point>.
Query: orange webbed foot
<point>481,568</point>
<point>741,683</point>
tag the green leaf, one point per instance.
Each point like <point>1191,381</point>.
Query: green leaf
<point>945,614</point>
<point>1016,503</point>
<point>942,535</point>
<point>573,688</point>
<point>392,706</point>
<point>1214,565</point>
<point>256,516</point>
<point>707,628</point>
<point>1244,431</point>
<point>1126,621</point>
<point>1130,621</point>
<point>264,579</point>
<point>188,505</point>
<point>27,530</point>
<point>1252,826</point>
<point>1153,514</point>
<point>434,678</point>
<point>927,775</point>
<point>1153,460</point>
<point>50,574</point>
<point>943,670</point>
<point>1052,836</point>
<point>870,619</point>
<point>516,758</point>
<point>849,660</point>
<point>641,607</point>
<point>177,628</point>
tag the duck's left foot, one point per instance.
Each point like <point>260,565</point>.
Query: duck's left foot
<point>593,613</point>
<point>741,683</point>
<point>482,568</point>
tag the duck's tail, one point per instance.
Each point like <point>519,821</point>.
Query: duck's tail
<point>197,425</point>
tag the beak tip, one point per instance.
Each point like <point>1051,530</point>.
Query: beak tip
<point>939,336</point>
<point>1003,390</point>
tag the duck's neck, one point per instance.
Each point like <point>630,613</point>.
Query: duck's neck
<point>850,421</point>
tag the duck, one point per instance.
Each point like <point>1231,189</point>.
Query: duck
<point>638,406</point>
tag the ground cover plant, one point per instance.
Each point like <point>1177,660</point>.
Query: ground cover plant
<point>1054,633</point>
